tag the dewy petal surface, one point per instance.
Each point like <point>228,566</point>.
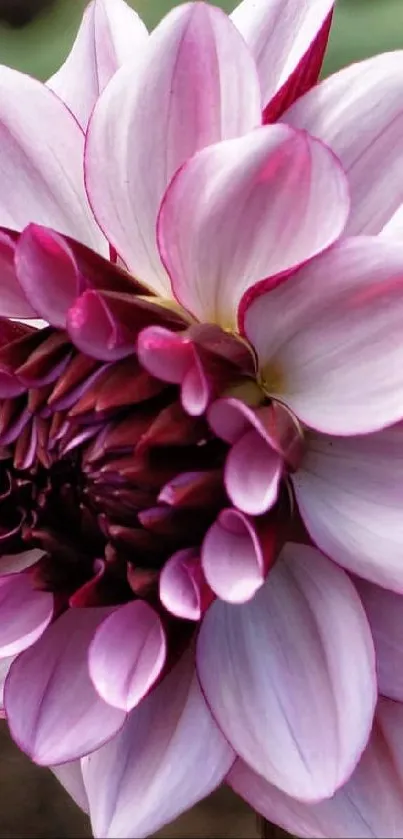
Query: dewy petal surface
<point>358,112</point>
<point>385,615</point>
<point>368,806</point>
<point>42,149</point>
<point>168,756</point>
<point>296,689</point>
<point>261,204</point>
<point>65,718</point>
<point>196,85</point>
<point>348,493</point>
<point>279,33</point>
<point>110,34</point>
<point>334,341</point>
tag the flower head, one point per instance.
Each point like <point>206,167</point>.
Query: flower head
<point>201,439</point>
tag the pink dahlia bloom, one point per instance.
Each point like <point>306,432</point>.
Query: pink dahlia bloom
<point>201,445</point>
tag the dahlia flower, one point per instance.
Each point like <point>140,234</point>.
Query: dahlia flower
<point>201,436</point>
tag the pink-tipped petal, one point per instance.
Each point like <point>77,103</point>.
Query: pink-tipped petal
<point>168,756</point>
<point>197,84</point>
<point>368,806</point>
<point>385,615</point>
<point>348,493</point>
<point>358,112</point>
<point>182,587</point>
<point>333,352</point>
<point>261,204</point>
<point>296,690</point>
<point>42,149</point>
<point>123,673</point>
<point>110,34</point>
<point>235,558</point>
<point>94,330</point>
<point>65,717</point>
<point>164,354</point>
<point>24,613</point>
<point>280,35</point>
<point>13,303</point>
<point>252,474</point>
<point>71,778</point>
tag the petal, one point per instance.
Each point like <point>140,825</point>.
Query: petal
<point>5,664</point>
<point>253,471</point>
<point>260,205</point>
<point>110,34</point>
<point>358,112</point>
<point>71,777</point>
<point>94,330</point>
<point>42,150</point>
<point>369,805</point>
<point>24,613</point>
<point>280,35</point>
<point>394,227</point>
<point>168,756</point>
<point>13,303</point>
<point>123,673</point>
<point>64,717</point>
<point>182,587</point>
<point>196,85</point>
<point>296,689</point>
<point>12,563</point>
<point>348,493</point>
<point>385,616</point>
<point>333,352</point>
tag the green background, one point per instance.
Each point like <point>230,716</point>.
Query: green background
<point>361,28</point>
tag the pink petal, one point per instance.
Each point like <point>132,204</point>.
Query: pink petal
<point>290,202</point>
<point>252,474</point>
<point>24,613</point>
<point>348,493</point>
<point>53,710</point>
<point>279,34</point>
<point>13,303</point>
<point>123,673</point>
<point>369,805</point>
<point>5,664</point>
<point>12,563</point>
<point>335,385</point>
<point>290,675</point>
<point>394,228</point>
<point>42,150</point>
<point>182,587</point>
<point>235,558</point>
<point>168,756</point>
<point>94,330</point>
<point>358,112</point>
<point>196,85</point>
<point>385,616</point>
<point>110,34</point>
<point>71,777</point>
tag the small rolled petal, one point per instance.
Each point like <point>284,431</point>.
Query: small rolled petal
<point>385,615</point>
<point>110,34</point>
<point>95,331</point>
<point>196,84</point>
<point>168,756</point>
<point>252,474</point>
<point>368,806</point>
<point>236,557</point>
<point>42,150</point>
<point>274,178</point>
<point>123,673</point>
<point>65,718</point>
<point>182,587</point>
<point>13,303</point>
<point>348,494</point>
<point>287,39</point>
<point>296,690</point>
<point>333,351</point>
<point>24,613</point>
<point>358,112</point>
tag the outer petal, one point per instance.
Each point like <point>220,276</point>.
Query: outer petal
<point>71,777</point>
<point>358,112</point>
<point>64,717</point>
<point>196,85</point>
<point>280,35</point>
<point>261,204</point>
<point>296,689</point>
<point>41,161</point>
<point>385,615</point>
<point>348,493</point>
<point>123,673</point>
<point>369,805</point>
<point>24,613</point>
<point>168,756</point>
<point>333,352</point>
<point>110,34</point>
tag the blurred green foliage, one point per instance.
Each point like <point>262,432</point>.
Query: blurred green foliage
<point>361,28</point>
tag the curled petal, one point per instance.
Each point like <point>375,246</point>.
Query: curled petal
<point>182,587</point>
<point>71,777</point>
<point>24,613</point>
<point>13,303</point>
